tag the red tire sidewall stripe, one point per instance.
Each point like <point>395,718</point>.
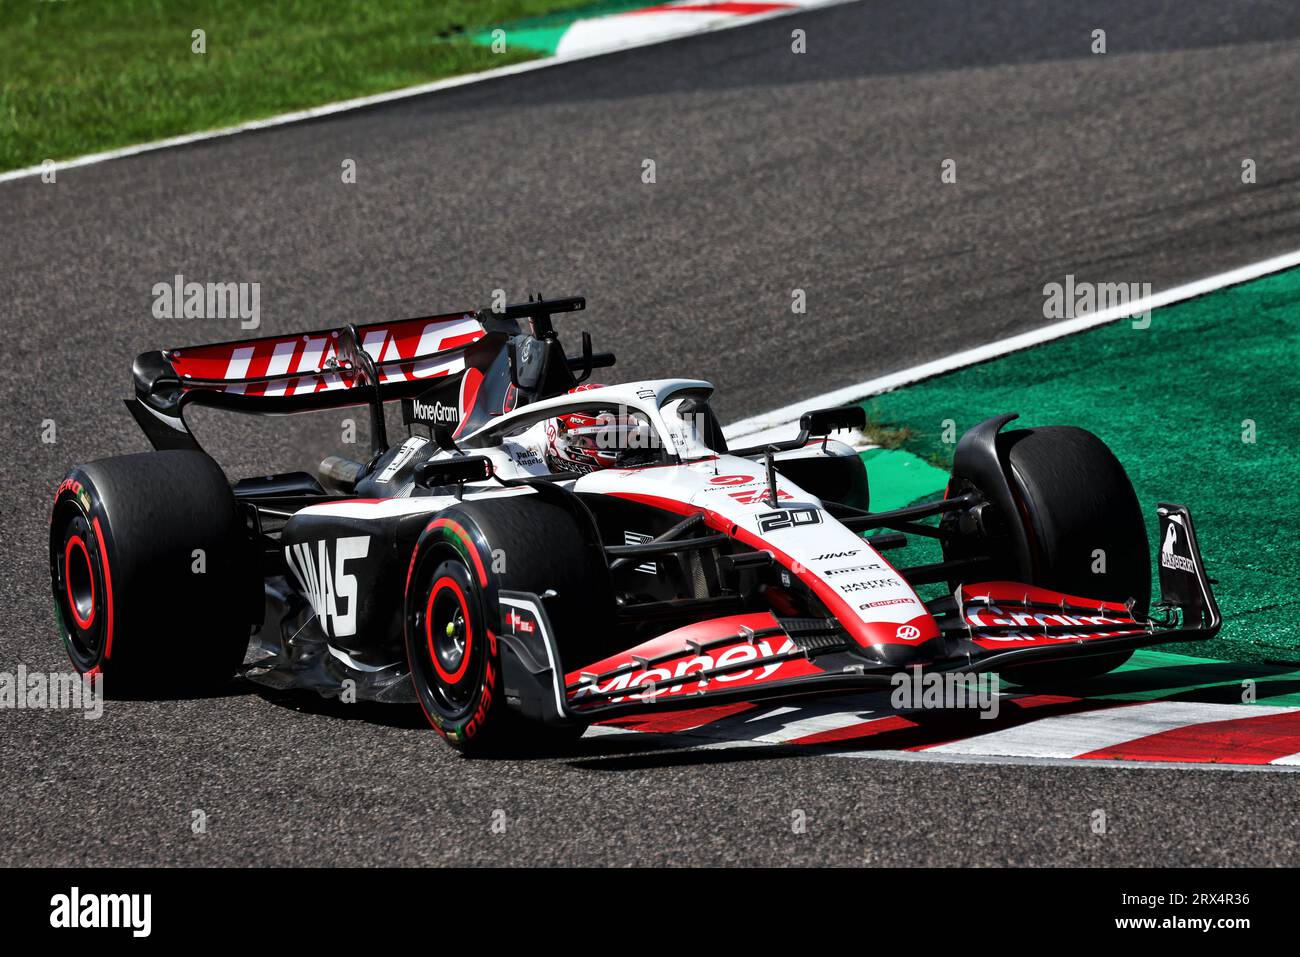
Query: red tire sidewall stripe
<point>459,673</point>
<point>76,540</point>
<point>464,537</point>
<point>108,589</point>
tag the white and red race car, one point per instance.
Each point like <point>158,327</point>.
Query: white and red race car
<point>539,554</point>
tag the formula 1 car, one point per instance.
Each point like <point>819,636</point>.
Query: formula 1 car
<point>539,553</point>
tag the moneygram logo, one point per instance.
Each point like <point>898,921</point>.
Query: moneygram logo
<point>434,413</point>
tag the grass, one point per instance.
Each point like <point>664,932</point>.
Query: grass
<point>79,77</point>
<point>885,436</point>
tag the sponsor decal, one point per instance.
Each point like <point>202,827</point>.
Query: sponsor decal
<point>788,518</point>
<point>648,684</point>
<point>403,456</point>
<point>833,556</point>
<point>527,457</point>
<point>486,692</point>
<point>1169,557</point>
<point>520,623</point>
<point>908,632</point>
<point>874,567</point>
<point>866,584</point>
<point>441,404</point>
<point>732,487</point>
<point>326,583</point>
<point>757,495</point>
<point>434,412</point>
<point>887,601</point>
<point>78,492</point>
<point>1020,619</point>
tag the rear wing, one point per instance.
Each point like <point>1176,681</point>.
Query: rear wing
<point>332,368</point>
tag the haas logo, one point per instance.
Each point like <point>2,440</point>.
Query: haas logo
<point>325,583</point>
<point>754,496</point>
<point>1170,558</point>
<point>908,632</point>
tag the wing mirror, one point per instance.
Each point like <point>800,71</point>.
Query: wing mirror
<point>826,421</point>
<point>454,471</point>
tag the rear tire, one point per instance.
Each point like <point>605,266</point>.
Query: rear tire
<point>531,543</point>
<point>153,574</point>
<point>1081,514</point>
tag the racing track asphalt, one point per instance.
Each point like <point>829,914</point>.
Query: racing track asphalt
<point>774,171</point>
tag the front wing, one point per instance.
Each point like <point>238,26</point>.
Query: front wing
<point>984,627</point>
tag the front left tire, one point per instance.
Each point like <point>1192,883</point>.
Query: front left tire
<point>539,543</point>
<point>1085,530</point>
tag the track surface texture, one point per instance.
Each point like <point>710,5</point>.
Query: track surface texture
<point>774,171</point>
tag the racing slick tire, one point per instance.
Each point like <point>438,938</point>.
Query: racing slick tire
<point>1081,514</point>
<point>153,572</point>
<point>541,543</point>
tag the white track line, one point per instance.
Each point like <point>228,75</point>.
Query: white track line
<point>923,756</point>
<point>783,417</point>
<point>694,740</point>
<point>1069,735</point>
<point>421,89</point>
<point>1051,740</point>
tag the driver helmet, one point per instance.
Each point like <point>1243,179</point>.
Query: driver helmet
<point>591,441</point>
